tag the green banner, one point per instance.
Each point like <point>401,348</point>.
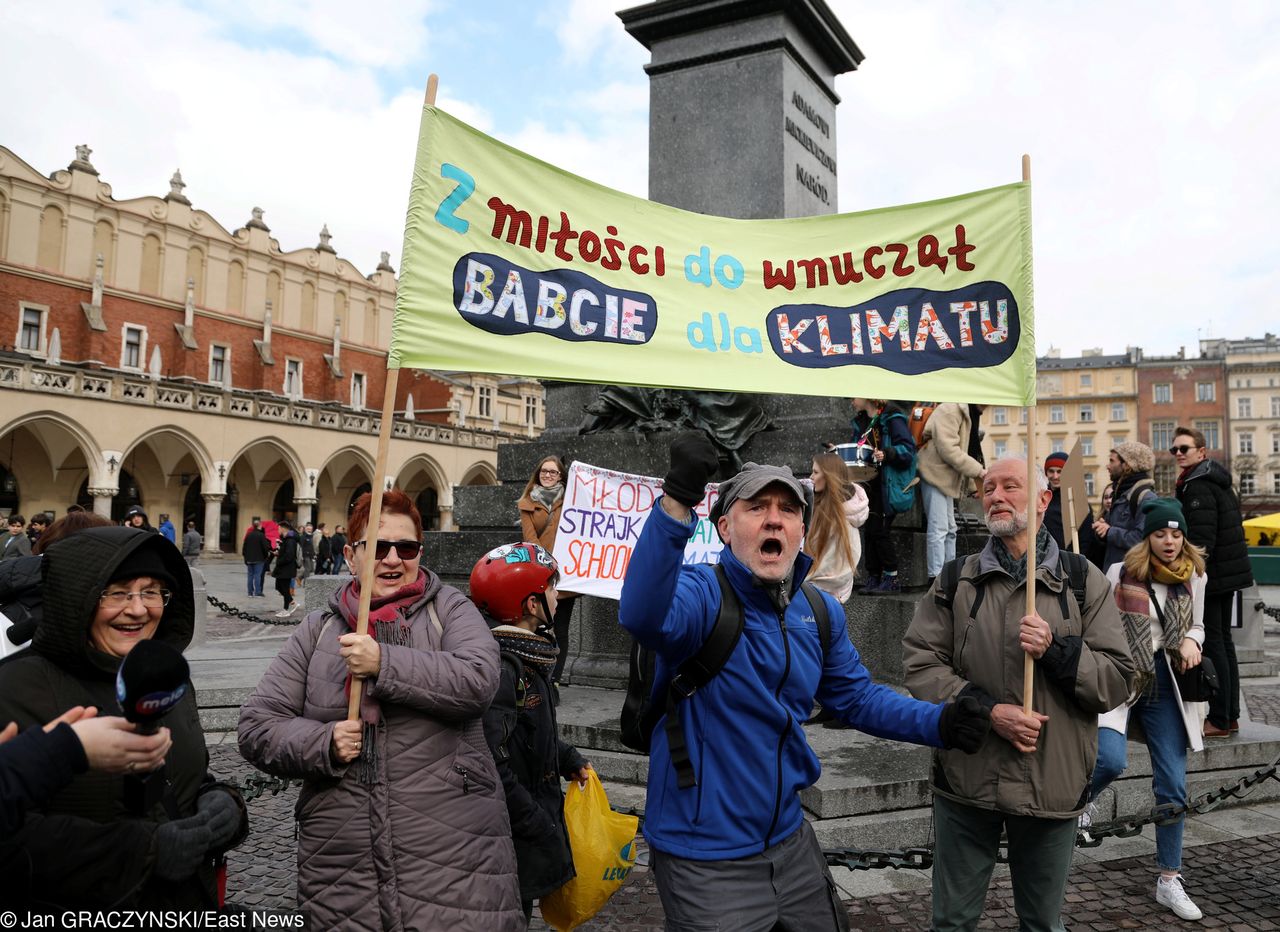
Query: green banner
<point>514,266</point>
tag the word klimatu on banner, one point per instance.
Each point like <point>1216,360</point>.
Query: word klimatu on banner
<point>600,523</point>
<point>514,266</point>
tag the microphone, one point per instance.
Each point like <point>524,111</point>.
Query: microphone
<point>151,681</point>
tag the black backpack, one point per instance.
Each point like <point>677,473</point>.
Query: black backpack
<point>1073,565</point>
<point>642,709</point>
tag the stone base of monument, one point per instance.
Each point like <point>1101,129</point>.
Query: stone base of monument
<point>874,793</point>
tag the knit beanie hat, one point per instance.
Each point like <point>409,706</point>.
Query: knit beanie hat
<point>1137,455</point>
<point>144,561</point>
<point>1057,458</point>
<point>1162,513</point>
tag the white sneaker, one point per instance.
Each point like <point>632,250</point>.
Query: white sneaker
<point>1170,893</point>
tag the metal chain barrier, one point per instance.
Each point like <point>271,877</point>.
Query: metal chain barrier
<point>921,857</point>
<point>249,616</point>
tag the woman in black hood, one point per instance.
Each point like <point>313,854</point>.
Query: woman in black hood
<point>106,590</point>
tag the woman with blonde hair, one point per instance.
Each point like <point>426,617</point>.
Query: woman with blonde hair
<point>1159,588</point>
<point>839,509</point>
<point>540,506</point>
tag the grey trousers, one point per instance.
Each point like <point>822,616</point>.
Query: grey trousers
<point>787,887</point>
<point>966,840</point>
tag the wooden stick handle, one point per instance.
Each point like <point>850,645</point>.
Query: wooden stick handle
<point>369,562</point>
<point>1033,495</point>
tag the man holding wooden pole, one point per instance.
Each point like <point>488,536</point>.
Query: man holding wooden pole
<point>969,637</point>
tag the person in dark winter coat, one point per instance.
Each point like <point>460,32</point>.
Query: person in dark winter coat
<point>515,587</point>
<point>1214,523</point>
<point>106,590</point>
<point>37,764</point>
<point>285,569</point>
<point>402,823</point>
<point>256,551</point>
<point>882,424</point>
<point>1129,466</point>
<point>1055,516</point>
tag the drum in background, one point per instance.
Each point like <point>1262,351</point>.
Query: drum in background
<point>858,460</point>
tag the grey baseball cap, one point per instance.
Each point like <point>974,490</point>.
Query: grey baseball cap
<point>752,480</point>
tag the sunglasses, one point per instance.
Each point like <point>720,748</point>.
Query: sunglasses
<point>405,549</point>
<point>1183,449</point>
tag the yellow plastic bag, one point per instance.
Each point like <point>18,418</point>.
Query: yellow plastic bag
<point>603,844</point>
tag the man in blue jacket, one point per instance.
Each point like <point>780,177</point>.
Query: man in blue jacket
<point>735,848</point>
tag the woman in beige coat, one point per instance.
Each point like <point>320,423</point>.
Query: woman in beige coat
<point>539,517</point>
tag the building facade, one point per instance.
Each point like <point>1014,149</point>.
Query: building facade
<point>1252,368</point>
<point>1091,399</point>
<point>151,357</point>
<point>1173,392</point>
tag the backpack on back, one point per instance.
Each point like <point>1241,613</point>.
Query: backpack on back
<point>921,411</point>
<point>642,709</point>
<point>1074,566</point>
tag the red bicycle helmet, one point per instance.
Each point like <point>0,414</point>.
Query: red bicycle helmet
<point>504,577</point>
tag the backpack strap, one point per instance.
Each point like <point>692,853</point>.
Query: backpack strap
<point>1075,568</point>
<point>949,581</point>
<point>697,671</point>
<point>517,667</point>
<point>1140,488</point>
<point>820,615</point>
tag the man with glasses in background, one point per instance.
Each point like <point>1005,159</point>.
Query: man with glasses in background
<point>1214,523</point>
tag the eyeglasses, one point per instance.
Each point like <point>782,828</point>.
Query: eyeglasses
<point>1183,449</point>
<point>151,598</point>
<point>548,472</point>
<point>405,549</point>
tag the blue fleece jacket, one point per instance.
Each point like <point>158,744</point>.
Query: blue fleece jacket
<point>743,728</point>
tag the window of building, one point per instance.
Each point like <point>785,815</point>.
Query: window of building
<point>1164,475</point>
<point>484,401</point>
<point>293,378</point>
<point>531,409</point>
<point>1275,405</point>
<point>1210,431</point>
<point>1022,415</point>
<point>1086,413</point>
<point>31,327</point>
<point>1117,410</point>
<point>1275,483</point>
<point>1275,443</point>
<point>1162,393</point>
<point>1057,445</point>
<point>1086,446</point>
<point>1248,483</point>
<point>1088,484</point>
<point>220,365</point>
<point>1245,443</point>
<point>1002,448</point>
<point>1086,380</point>
<point>357,389</point>
<point>1162,434</point>
<point>1244,407</point>
<point>1057,414</point>
<point>1024,447</point>
<point>999,415</point>
<point>1117,439</point>
<point>1205,391</point>
<point>133,346</point>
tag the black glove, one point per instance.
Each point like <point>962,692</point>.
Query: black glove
<point>224,816</point>
<point>693,463</point>
<point>964,723</point>
<point>181,846</point>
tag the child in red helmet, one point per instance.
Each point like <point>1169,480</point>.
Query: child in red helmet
<point>514,586</point>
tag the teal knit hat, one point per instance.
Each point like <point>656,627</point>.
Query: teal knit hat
<point>1162,513</point>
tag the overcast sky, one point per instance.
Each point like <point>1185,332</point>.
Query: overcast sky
<point>1152,126</point>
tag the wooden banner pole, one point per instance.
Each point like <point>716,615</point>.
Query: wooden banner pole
<point>368,564</point>
<point>1071,516</point>
<point>1033,496</point>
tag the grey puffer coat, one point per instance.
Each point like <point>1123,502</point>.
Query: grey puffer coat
<point>428,846</point>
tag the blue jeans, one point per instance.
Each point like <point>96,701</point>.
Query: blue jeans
<point>253,575</point>
<point>1161,716</point>
<point>940,528</point>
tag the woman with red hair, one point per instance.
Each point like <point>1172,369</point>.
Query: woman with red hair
<point>402,816</point>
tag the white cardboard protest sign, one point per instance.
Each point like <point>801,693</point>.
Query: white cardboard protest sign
<point>600,523</point>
